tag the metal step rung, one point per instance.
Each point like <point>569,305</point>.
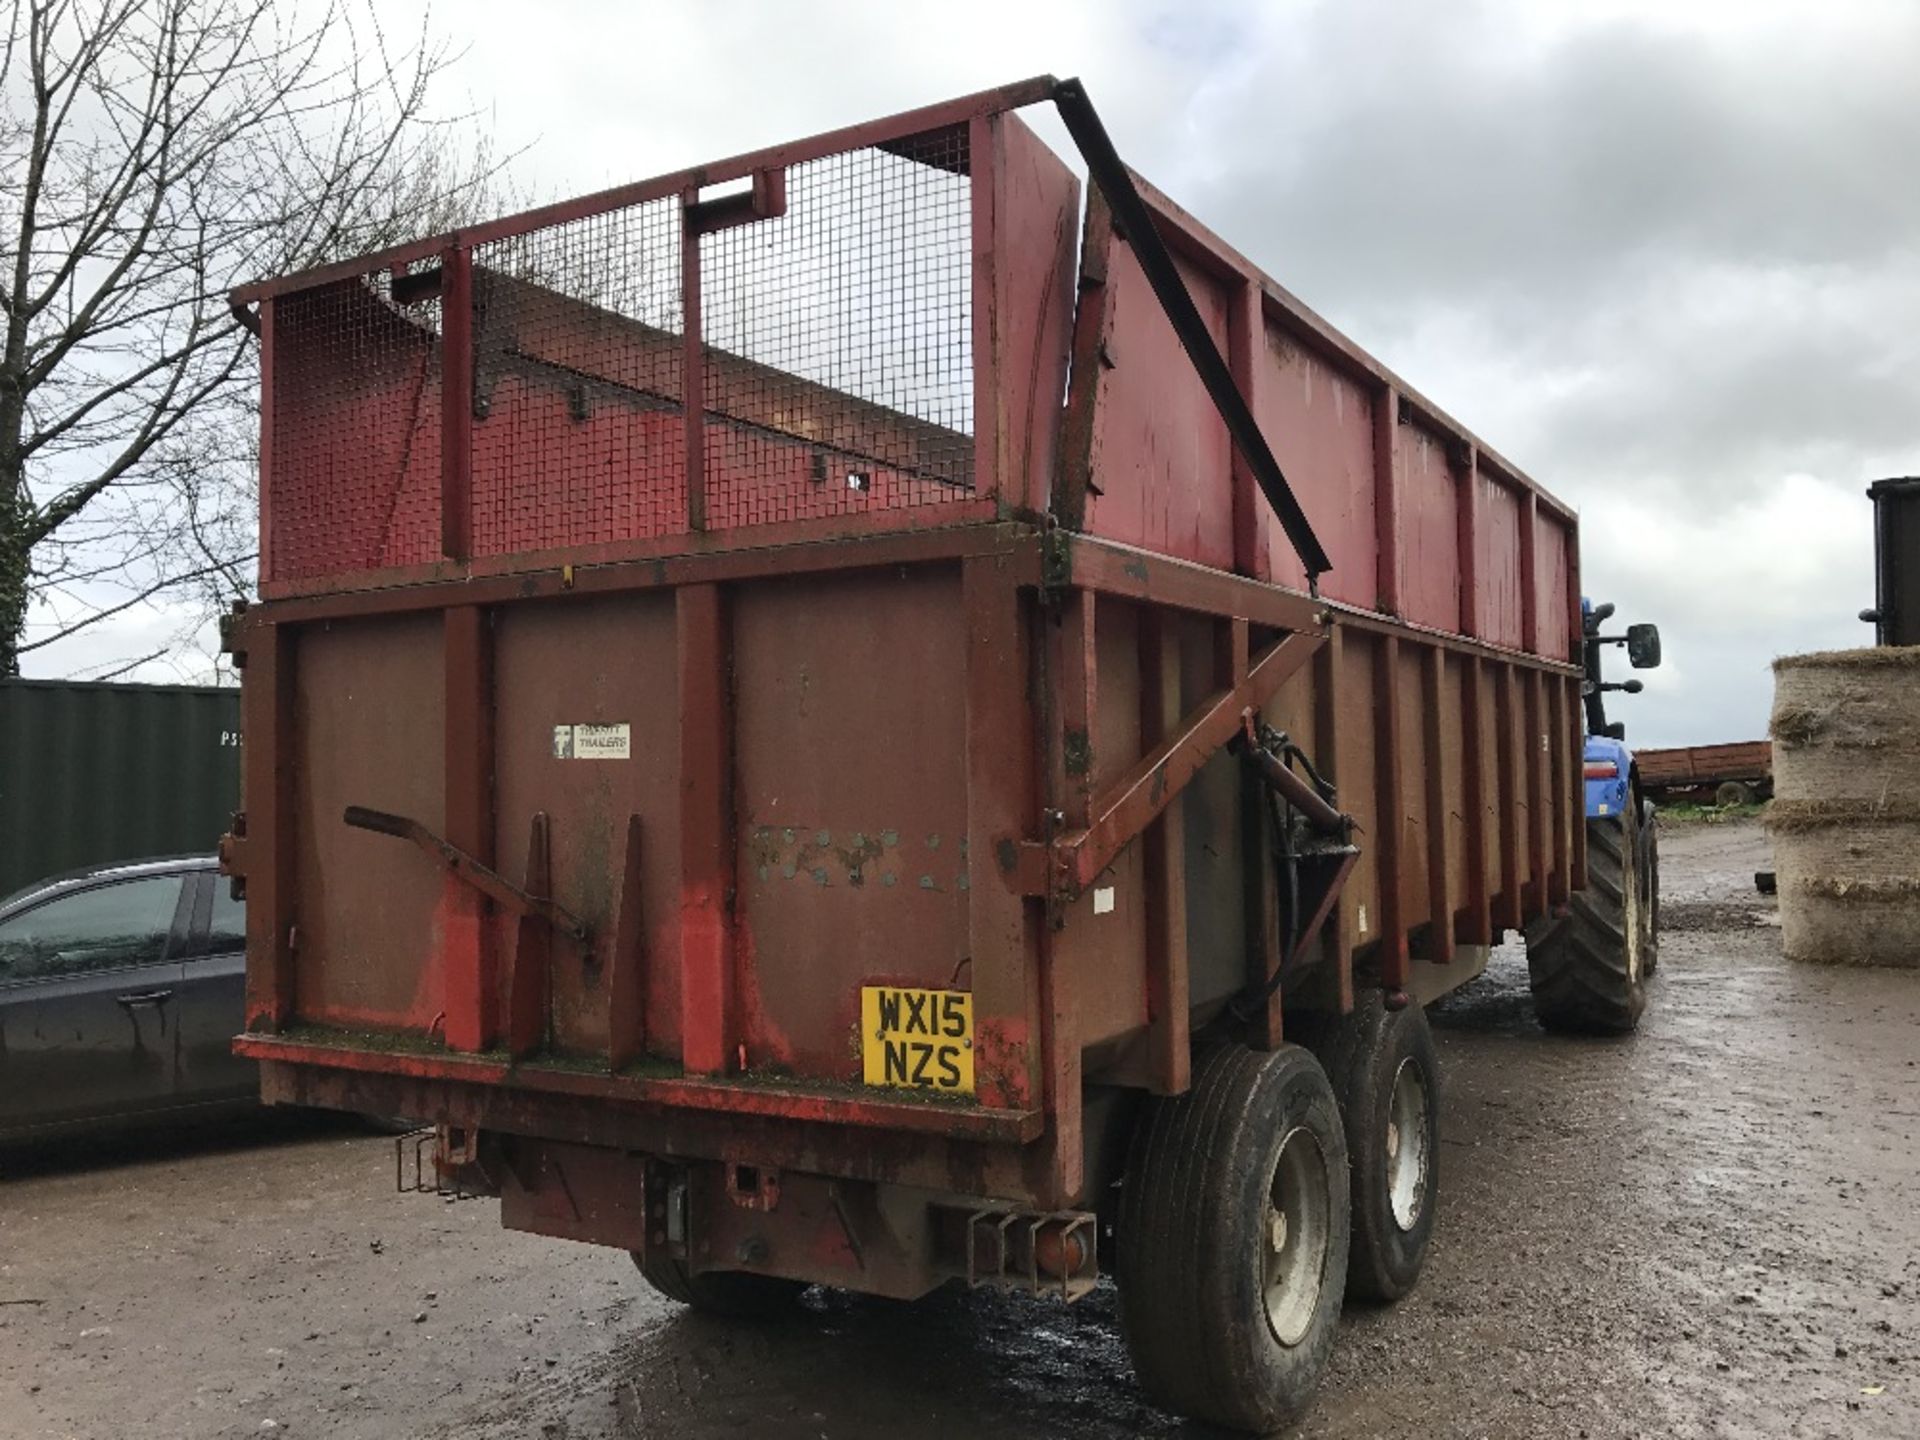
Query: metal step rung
<point>1051,1254</point>
<point>424,1159</point>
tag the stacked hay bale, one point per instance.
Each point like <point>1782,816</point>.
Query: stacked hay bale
<point>1846,813</point>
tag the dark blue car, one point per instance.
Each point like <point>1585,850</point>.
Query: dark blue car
<point>121,989</point>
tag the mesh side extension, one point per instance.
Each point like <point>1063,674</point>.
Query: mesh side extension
<point>355,436</point>
<point>839,340</point>
<point>836,365</point>
<point>578,431</point>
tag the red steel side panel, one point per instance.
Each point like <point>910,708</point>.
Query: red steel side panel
<point>1430,519</point>
<point>1419,519</point>
<point>1017,1057</point>
<point>1161,460</point>
<point>269,792</point>
<point>1553,550</point>
<point>369,707</point>
<point>471,952</point>
<point>821,759</point>
<point>1498,558</point>
<point>1036,216</point>
<point>1358,725</point>
<point>708,985</point>
<point>1420,835</point>
<point>551,670</point>
<point>850,806</point>
<point>1439,760</point>
<point>1319,420</point>
<point>1113,944</point>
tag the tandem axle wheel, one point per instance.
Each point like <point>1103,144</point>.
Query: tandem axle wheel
<point>1384,1070</point>
<point>1231,1242</point>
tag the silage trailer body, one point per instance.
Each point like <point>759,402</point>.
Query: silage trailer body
<point>793,830</point>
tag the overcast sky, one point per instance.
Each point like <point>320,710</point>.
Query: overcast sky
<point>1664,256</point>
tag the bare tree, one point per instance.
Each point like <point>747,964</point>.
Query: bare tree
<point>152,154</point>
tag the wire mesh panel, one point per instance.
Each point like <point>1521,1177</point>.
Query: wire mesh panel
<point>836,373</point>
<point>354,459</point>
<point>578,429</point>
<point>839,340</point>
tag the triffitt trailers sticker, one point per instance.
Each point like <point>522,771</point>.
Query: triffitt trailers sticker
<point>593,742</point>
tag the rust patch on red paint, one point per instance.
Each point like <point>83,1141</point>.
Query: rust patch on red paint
<point>810,855</point>
<point>1000,1062</point>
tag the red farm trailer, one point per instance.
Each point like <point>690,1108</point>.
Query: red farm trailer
<point>1738,773</point>
<point>832,718</point>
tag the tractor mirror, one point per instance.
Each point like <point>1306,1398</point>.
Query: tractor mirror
<point>1643,646</point>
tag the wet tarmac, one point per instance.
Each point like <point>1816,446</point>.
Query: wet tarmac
<point>1709,1229</point>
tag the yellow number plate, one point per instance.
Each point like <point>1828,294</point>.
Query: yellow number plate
<point>920,1039</point>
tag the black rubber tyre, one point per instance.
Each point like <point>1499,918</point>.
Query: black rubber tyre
<point>1231,1241</point>
<point>732,1293</point>
<point>1650,889</point>
<point>1733,792</point>
<point>1386,1074</point>
<point>1588,965</point>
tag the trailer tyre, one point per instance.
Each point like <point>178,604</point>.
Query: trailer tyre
<point>1387,1076</point>
<point>1733,792</point>
<point>735,1294</point>
<point>1231,1242</point>
<point>1588,965</point>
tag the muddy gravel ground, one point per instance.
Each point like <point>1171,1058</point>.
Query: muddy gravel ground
<point>1710,1229</point>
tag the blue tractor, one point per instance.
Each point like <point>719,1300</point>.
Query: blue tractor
<point>1589,962</point>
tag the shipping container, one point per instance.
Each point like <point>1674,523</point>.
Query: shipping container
<point>92,772</point>
<point>818,712</point>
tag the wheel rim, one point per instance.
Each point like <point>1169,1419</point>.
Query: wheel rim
<point>1408,1142</point>
<point>1298,1224</point>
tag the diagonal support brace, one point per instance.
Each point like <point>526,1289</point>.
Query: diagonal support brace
<point>1072,861</point>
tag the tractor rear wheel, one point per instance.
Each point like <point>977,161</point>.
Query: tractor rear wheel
<point>1231,1241</point>
<point>1588,964</point>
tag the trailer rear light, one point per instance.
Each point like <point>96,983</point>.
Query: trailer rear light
<point>1603,770</point>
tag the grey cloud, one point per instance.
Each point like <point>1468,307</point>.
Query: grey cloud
<point>1395,150</point>
<point>1664,269</point>
<point>1706,408</point>
<point>1393,164</point>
